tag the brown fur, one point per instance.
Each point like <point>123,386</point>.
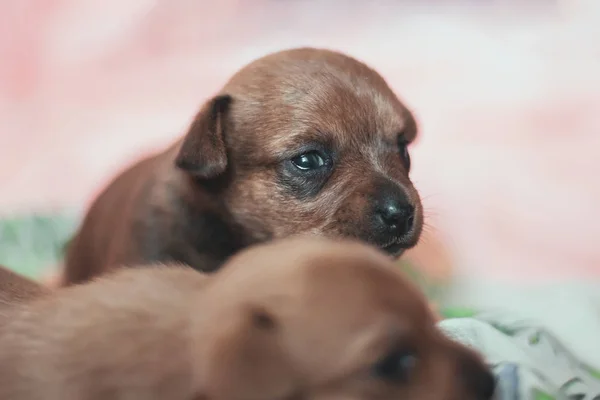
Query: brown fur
<point>296,319</point>
<point>17,289</point>
<point>231,182</point>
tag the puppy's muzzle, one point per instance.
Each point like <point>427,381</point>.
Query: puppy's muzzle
<point>393,218</point>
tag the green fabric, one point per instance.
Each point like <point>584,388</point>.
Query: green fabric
<point>457,312</point>
<point>31,243</point>
<point>537,394</point>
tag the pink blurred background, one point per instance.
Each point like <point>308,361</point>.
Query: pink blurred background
<point>508,99</point>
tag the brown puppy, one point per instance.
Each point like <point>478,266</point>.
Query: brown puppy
<point>295,319</point>
<point>300,141</point>
<point>16,289</point>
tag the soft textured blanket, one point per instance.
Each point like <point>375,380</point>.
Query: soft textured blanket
<point>529,361</point>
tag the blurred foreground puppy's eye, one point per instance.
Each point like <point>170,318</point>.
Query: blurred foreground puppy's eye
<point>308,161</point>
<point>396,367</point>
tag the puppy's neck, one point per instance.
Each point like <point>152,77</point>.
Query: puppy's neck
<point>201,231</point>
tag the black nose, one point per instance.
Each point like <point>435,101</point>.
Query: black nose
<point>395,214</point>
<point>484,385</point>
<point>478,378</point>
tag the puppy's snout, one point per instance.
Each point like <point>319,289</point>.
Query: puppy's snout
<point>394,213</point>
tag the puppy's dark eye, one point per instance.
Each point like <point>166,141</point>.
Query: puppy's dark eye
<point>404,156</point>
<point>308,161</point>
<point>396,367</point>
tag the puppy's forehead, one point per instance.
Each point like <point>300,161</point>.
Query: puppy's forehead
<point>337,274</point>
<point>316,94</point>
<point>365,278</point>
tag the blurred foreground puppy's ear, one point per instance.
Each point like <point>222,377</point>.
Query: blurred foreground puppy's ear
<point>203,153</point>
<point>246,360</point>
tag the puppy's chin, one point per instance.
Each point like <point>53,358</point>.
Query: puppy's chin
<point>396,246</point>
<point>395,250</point>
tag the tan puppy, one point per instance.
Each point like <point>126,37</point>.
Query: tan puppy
<point>297,319</point>
<point>300,141</point>
<point>16,289</point>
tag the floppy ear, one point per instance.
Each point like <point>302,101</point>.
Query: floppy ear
<point>203,152</point>
<point>247,361</point>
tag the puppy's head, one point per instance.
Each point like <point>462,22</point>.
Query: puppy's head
<point>309,141</point>
<point>338,322</point>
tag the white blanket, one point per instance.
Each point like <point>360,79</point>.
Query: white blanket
<point>541,347</point>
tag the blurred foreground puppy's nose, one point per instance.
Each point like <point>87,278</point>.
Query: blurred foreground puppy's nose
<point>485,386</point>
<point>479,380</point>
